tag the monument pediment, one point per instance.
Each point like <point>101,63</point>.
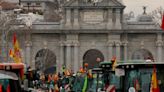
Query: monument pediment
<point>93,4</point>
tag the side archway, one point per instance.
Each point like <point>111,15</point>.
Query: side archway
<point>93,57</point>
<point>142,54</point>
<point>45,61</point>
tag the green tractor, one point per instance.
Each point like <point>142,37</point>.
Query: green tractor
<point>133,76</point>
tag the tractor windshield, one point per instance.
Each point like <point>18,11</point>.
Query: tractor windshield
<point>140,79</point>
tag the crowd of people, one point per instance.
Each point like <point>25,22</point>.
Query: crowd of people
<point>61,82</point>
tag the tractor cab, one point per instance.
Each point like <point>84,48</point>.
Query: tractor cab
<point>11,75</point>
<point>110,79</point>
<point>138,75</point>
<point>96,84</point>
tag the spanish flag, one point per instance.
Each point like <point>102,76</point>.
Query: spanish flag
<point>113,63</point>
<point>154,82</point>
<point>56,88</point>
<point>1,88</point>
<point>8,88</point>
<point>136,85</point>
<point>162,25</point>
<point>16,54</point>
<point>15,43</point>
<point>67,72</point>
<point>11,53</point>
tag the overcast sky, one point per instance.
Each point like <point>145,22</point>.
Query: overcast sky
<point>136,5</point>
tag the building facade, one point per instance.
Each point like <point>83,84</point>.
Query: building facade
<point>90,32</point>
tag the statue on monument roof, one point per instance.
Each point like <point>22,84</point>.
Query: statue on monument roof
<point>93,1</point>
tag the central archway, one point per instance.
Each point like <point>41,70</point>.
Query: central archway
<point>45,61</point>
<point>142,54</point>
<point>93,57</point>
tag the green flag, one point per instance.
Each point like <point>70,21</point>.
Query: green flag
<point>63,68</point>
<point>85,84</point>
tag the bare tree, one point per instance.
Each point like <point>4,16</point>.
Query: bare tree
<point>6,21</point>
<point>52,12</point>
<point>45,59</point>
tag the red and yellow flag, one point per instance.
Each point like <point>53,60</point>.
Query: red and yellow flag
<point>11,53</point>
<point>1,88</point>
<point>15,43</point>
<point>16,54</point>
<point>8,88</point>
<point>154,82</point>
<point>56,88</point>
<point>136,85</point>
<point>162,25</point>
<point>113,63</point>
<point>67,72</point>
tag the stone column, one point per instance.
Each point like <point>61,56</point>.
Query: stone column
<point>117,51</point>
<point>159,51</point>
<point>28,60</point>
<point>61,62</point>
<point>58,68</point>
<point>68,18</point>
<point>110,50</point>
<point>76,19</point>
<point>43,6</point>
<point>159,44</point>
<point>76,59</point>
<point>125,51</point>
<point>68,56</point>
<point>110,17</point>
<point>117,23</point>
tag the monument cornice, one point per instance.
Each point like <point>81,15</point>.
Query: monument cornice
<point>94,7</point>
<point>95,31</point>
<point>92,30</point>
<point>93,4</point>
